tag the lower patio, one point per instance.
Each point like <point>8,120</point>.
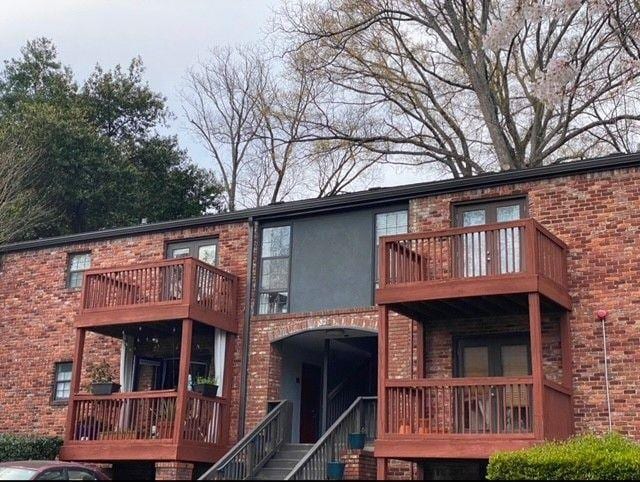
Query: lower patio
<point>161,411</point>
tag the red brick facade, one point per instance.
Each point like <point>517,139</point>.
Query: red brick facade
<point>37,312</point>
<point>596,215</point>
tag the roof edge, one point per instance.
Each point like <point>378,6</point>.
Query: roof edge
<point>344,201</point>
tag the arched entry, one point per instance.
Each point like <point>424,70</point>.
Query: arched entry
<point>322,372</point>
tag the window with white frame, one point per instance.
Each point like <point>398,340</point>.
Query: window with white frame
<point>78,264</point>
<point>275,254</point>
<point>62,382</point>
<point>388,224</point>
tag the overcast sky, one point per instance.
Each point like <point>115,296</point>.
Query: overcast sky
<point>169,35</point>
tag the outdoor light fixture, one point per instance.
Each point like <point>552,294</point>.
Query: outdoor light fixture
<point>602,316</point>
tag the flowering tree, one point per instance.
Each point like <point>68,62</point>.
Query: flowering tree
<point>475,85</point>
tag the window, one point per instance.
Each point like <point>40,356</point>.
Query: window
<point>53,474</point>
<point>388,224</point>
<point>78,264</point>
<point>62,382</point>
<point>203,249</point>
<point>274,270</point>
<point>80,474</point>
<point>480,257</point>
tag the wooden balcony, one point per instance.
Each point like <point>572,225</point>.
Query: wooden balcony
<point>154,425</point>
<point>161,290</point>
<point>507,259</point>
<point>469,417</point>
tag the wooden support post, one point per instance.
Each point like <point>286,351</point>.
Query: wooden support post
<point>227,388</point>
<point>537,368</point>
<point>325,385</point>
<point>76,377</point>
<point>565,346</point>
<point>420,349</point>
<point>383,370</point>
<point>382,465</point>
<point>183,378</point>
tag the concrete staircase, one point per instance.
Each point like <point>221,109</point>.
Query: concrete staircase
<point>284,460</point>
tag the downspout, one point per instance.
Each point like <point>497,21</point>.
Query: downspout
<point>602,314</point>
<point>246,331</point>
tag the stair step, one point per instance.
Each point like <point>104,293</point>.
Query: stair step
<point>293,451</point>
<point>272,474</point>
<point>275,463</point>
<point>297,446</point>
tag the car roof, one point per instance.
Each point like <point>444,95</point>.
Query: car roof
<point>41,464</point>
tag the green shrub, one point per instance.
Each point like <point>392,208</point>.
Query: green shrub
<point>20,447</point>
<point>588,457</point>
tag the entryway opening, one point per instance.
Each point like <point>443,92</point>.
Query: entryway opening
<point>323,372</point>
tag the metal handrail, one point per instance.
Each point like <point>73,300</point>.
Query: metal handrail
<point>313,466</point>
<point>247,456</point>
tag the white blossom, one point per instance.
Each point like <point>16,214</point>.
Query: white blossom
<point>554,82</point>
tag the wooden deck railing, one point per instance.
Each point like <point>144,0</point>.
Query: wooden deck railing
<point>360,416</point>
<point>475,406</point>
<point>513,247</point>
<point>124,416</point>
<point>558,411</point>
<point>165,282</point>
<point>205,421</point>
<point>147,416</point>
<point>246,458</point>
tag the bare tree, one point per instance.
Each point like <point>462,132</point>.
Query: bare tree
<point>21,208</point>
<point>283,113</point>
<point>220,104</point>
<point>472,85</point>
<point>260,119</point>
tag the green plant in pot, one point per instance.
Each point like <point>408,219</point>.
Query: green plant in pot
<point>357,440</point>
<point>101,377</point>
<point>207,386</point>
<point>335,468</point>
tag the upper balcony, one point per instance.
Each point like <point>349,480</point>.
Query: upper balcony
<point>477,263</point>
<point>169,289</point>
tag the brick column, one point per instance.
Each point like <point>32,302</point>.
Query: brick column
<point>359,465</point>
<point>174,471</point>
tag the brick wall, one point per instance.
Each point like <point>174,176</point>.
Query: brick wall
<point>359,465</point>
<point>174,471</point>
<point>37,313</point>
<point>596,215</point>
<point>440,335</point>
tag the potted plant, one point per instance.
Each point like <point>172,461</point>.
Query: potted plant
<point>335,470</point>
<point>101,377</point>
<point>357,439</point>
<point>207,386</point>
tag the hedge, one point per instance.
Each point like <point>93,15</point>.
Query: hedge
<point>20,447</point>
<point>588,457</point>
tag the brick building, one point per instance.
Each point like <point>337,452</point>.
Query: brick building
<point>467,306</point>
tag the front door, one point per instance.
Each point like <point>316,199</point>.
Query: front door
<point>493,252</point>
<point>493,408</point>
<point>310,403</point>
